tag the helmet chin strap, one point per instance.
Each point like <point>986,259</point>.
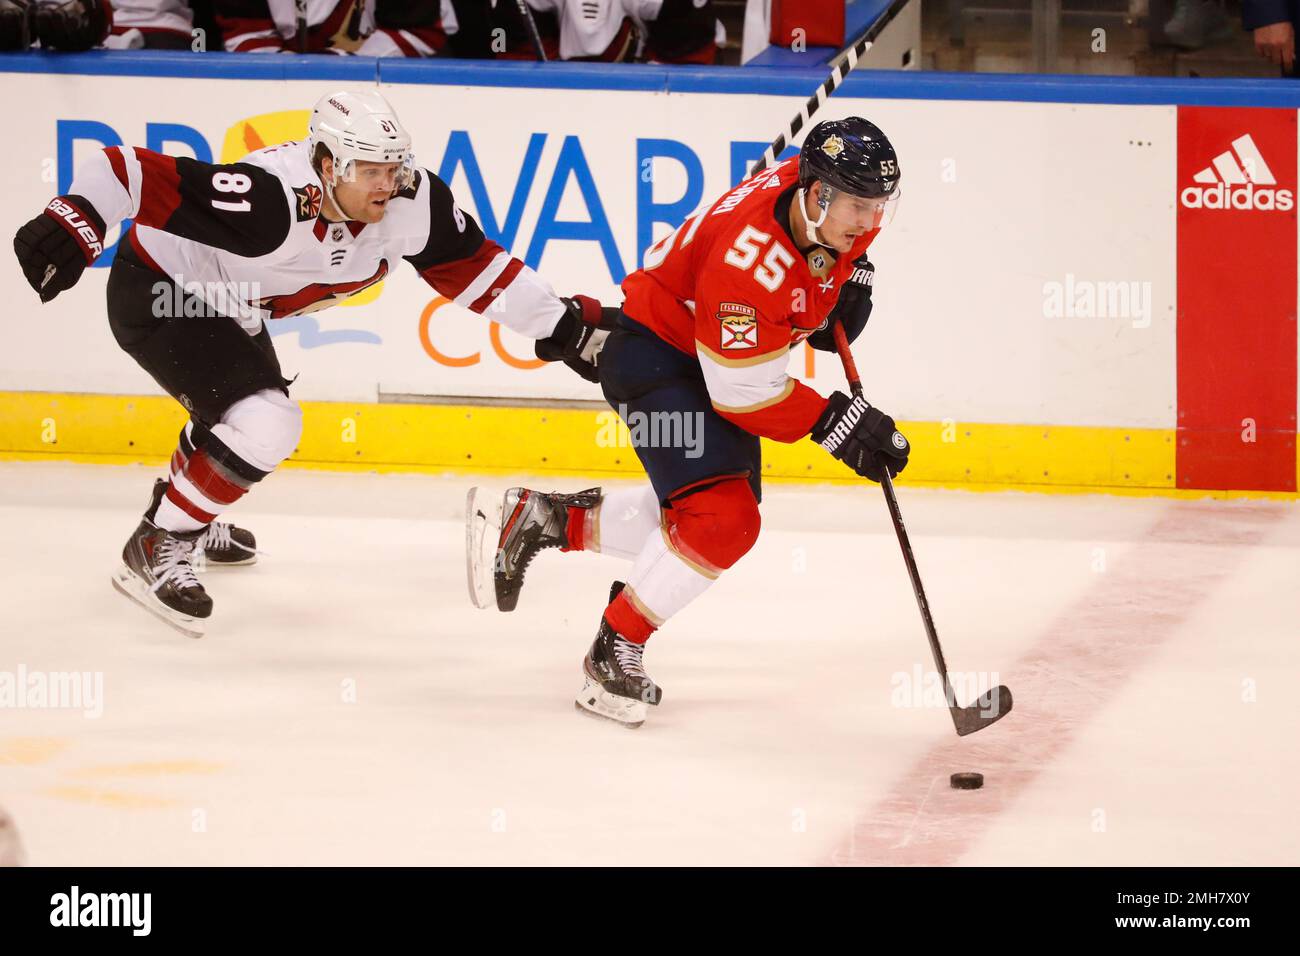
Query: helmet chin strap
<point>328,185</point>
<point>810,227</point>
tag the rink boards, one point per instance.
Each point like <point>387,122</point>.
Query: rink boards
<point>1060,301</point>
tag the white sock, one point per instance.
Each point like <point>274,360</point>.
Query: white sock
<point>627,517</point>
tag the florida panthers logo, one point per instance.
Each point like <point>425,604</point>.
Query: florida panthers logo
<point>739,325</point>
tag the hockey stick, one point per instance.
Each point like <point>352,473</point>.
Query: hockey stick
<point>527,14</point>
<point>842,64</point>
<point>300,22</point>
<point>992,705</point>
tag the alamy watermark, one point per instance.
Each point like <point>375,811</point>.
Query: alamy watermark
<point>683,430</point>
<point>1077,298</point>
<point>180,299</point>
<point>53,690</point>
<point>922,688</point>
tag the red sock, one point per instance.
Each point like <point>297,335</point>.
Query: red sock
<point>576,531</point>
<point>624,618</point>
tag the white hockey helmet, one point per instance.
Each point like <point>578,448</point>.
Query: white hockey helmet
<point>360,126</point>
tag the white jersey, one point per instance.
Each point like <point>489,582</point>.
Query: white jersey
<point>249,238</point>
<point>597,28</point>
<point>173,15</point>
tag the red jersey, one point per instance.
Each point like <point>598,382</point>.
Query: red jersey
<point>731,288</point>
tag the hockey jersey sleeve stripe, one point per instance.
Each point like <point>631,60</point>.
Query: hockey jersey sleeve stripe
<point>497,286</point>
<point>787,420</point>
<point>118,165</point>
<point>163,196</point>
<point>134,178</point>
<point>464,280</point>
<point>742,387</point>
<point>758,406</point>
<point>748,359</point>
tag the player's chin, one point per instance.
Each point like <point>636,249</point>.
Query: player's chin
<point>375,209</point>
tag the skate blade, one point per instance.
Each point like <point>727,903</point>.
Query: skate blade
<point>129,584</point>
<point>208,564</point>
<point>482,530</point>
<point>595,701</point>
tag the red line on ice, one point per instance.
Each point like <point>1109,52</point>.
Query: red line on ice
<point>1075,668</point>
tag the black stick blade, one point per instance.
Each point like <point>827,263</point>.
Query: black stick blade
<point>989,707</point>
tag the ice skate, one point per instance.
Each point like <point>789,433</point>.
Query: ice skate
<point>223,545</point>
<point>157,574</point>
<point>482,528</point>
<point>532,521</point>
<point>616,685</point>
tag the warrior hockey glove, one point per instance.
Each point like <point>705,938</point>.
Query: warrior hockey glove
<point>851,310</point>
<point>862,437</point>
<point>55,247</point>
<point>579,336</point>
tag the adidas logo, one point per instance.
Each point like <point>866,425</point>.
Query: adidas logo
<point>1237,178</point>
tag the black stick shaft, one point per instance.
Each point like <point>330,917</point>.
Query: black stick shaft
<point>842,64</point>
<point>904,543</point>
<point>300,23</point>
<point>527,14</point>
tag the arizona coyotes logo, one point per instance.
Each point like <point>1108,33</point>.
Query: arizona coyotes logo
<point>309,198</point>
<point>833,146</point>
<point>739,325</point>
<point>318,295</point>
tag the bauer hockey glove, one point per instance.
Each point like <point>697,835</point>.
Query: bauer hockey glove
<point>862,437</point>
<point>55,247</point>
<point>579,336</point>
<point>851,310</point>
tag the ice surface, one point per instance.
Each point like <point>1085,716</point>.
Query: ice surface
<point>349,705</point>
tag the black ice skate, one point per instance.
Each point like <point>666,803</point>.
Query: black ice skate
<point>157,574</point>
<point>616,684</point>
<point>223,545</point>
<point>530,521</point>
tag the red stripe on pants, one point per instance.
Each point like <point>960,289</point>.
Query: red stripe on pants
<point>191,509</point>
<point>215,486</point>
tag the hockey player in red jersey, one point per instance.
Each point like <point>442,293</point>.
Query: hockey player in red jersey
<point>706,331</point>
<point>215,252</point>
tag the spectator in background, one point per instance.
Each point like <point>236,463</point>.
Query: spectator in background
<point>67,25</point>
<point>151,24</point>
<point>1197,24</point>
<point>415,28</point>
<point>596,30</point>
<point>1275,24</point>
<point>616,31</point>
<point>682,31</point>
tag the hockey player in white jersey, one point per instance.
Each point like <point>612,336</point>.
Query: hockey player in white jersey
<point>218,250</point>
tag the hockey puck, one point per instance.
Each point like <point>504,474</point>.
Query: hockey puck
<point>966,781</point>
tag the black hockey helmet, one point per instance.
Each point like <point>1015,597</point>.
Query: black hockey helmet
<point>852,155</point>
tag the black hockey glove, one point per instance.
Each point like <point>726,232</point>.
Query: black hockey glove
<point>862,437</point>
<point>15,25</point>
<point>72,25</point>
<point>579,336</point>
<point>55,247</point>
<point>851,310</point>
